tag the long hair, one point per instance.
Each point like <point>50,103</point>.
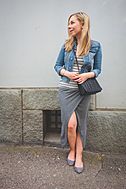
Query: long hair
<point>83,18</point>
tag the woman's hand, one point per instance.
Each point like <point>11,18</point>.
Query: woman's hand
<point>71,75</point>
<point>80,78</point>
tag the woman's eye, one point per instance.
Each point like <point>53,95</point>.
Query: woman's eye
<point>72,22</point>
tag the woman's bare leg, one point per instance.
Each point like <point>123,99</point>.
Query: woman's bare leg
<point>79,151</point>
<point>72,125</point>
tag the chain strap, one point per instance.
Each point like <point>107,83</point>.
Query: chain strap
<point>75,50</point>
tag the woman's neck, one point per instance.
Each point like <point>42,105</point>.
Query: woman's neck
<point>79,40</point>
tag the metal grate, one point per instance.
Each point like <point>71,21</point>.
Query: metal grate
<point>52,121</point>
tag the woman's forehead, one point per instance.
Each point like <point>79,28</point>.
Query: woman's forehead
<point>72,18</point>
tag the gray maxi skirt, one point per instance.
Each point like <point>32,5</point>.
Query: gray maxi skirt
<point>71,101</point>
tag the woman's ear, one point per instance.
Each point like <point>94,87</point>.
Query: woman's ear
<point>82,26</point>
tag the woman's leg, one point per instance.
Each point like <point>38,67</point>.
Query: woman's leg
<point>79,151</point>
<point>72,125</point>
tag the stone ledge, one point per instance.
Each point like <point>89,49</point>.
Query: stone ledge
<point>45,99</point>
<point>10,116</point>
<point>107,131</point>
<point>33,126</point>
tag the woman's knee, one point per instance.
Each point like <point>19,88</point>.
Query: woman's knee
<point>71,127</point>
<point>72,123</point>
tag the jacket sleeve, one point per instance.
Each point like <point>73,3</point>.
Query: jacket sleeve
<point>60,60</point>
<point>97,61</point>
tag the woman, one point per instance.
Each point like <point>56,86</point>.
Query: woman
<point>74,107</point>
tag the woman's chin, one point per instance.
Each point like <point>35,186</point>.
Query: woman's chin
<point>73,35</point>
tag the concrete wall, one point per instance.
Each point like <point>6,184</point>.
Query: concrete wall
<point>32,32</point>
<point>21,120</point>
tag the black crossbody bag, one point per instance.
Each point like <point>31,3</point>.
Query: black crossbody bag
<point>91,85</point>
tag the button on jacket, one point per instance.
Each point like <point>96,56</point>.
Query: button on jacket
<point>66,60</point>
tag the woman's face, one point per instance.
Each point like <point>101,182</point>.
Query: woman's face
<point>74,26</point>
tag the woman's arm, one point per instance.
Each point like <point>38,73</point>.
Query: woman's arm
<point>97,61</point>
<point>59,66</point>
<point>60,61</point>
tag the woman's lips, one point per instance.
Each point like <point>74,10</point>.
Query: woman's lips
<point>71,31</point>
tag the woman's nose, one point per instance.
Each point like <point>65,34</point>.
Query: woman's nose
<point>69,26</point>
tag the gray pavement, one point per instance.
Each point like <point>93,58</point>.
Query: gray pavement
<point>43,167</point>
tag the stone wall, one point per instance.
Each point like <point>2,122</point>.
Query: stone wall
<point>10,116</point>
<point>21,120</point>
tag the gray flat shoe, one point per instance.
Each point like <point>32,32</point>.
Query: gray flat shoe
<point>79,169</point>
<point>70,162</point>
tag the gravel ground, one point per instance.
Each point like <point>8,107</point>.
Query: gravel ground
<point>43,167</point>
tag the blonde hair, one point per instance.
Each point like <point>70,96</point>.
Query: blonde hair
<point>83,18</point>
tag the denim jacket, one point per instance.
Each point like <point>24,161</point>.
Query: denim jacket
<point>66,60</point>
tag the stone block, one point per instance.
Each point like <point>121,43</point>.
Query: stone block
<point>33,126</point>
<point>10,116</point>
<point>44,99</point>
<point>107,131</point>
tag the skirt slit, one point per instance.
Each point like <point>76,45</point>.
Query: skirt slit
<point>71,101</point>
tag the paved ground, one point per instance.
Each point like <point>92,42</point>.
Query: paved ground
<point>36,167</point>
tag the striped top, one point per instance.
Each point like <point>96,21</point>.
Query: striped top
<point>73,84</point>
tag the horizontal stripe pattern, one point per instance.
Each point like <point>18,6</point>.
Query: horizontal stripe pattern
<point>73,84</point>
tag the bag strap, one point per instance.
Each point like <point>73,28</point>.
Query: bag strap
<point>75,50</point>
